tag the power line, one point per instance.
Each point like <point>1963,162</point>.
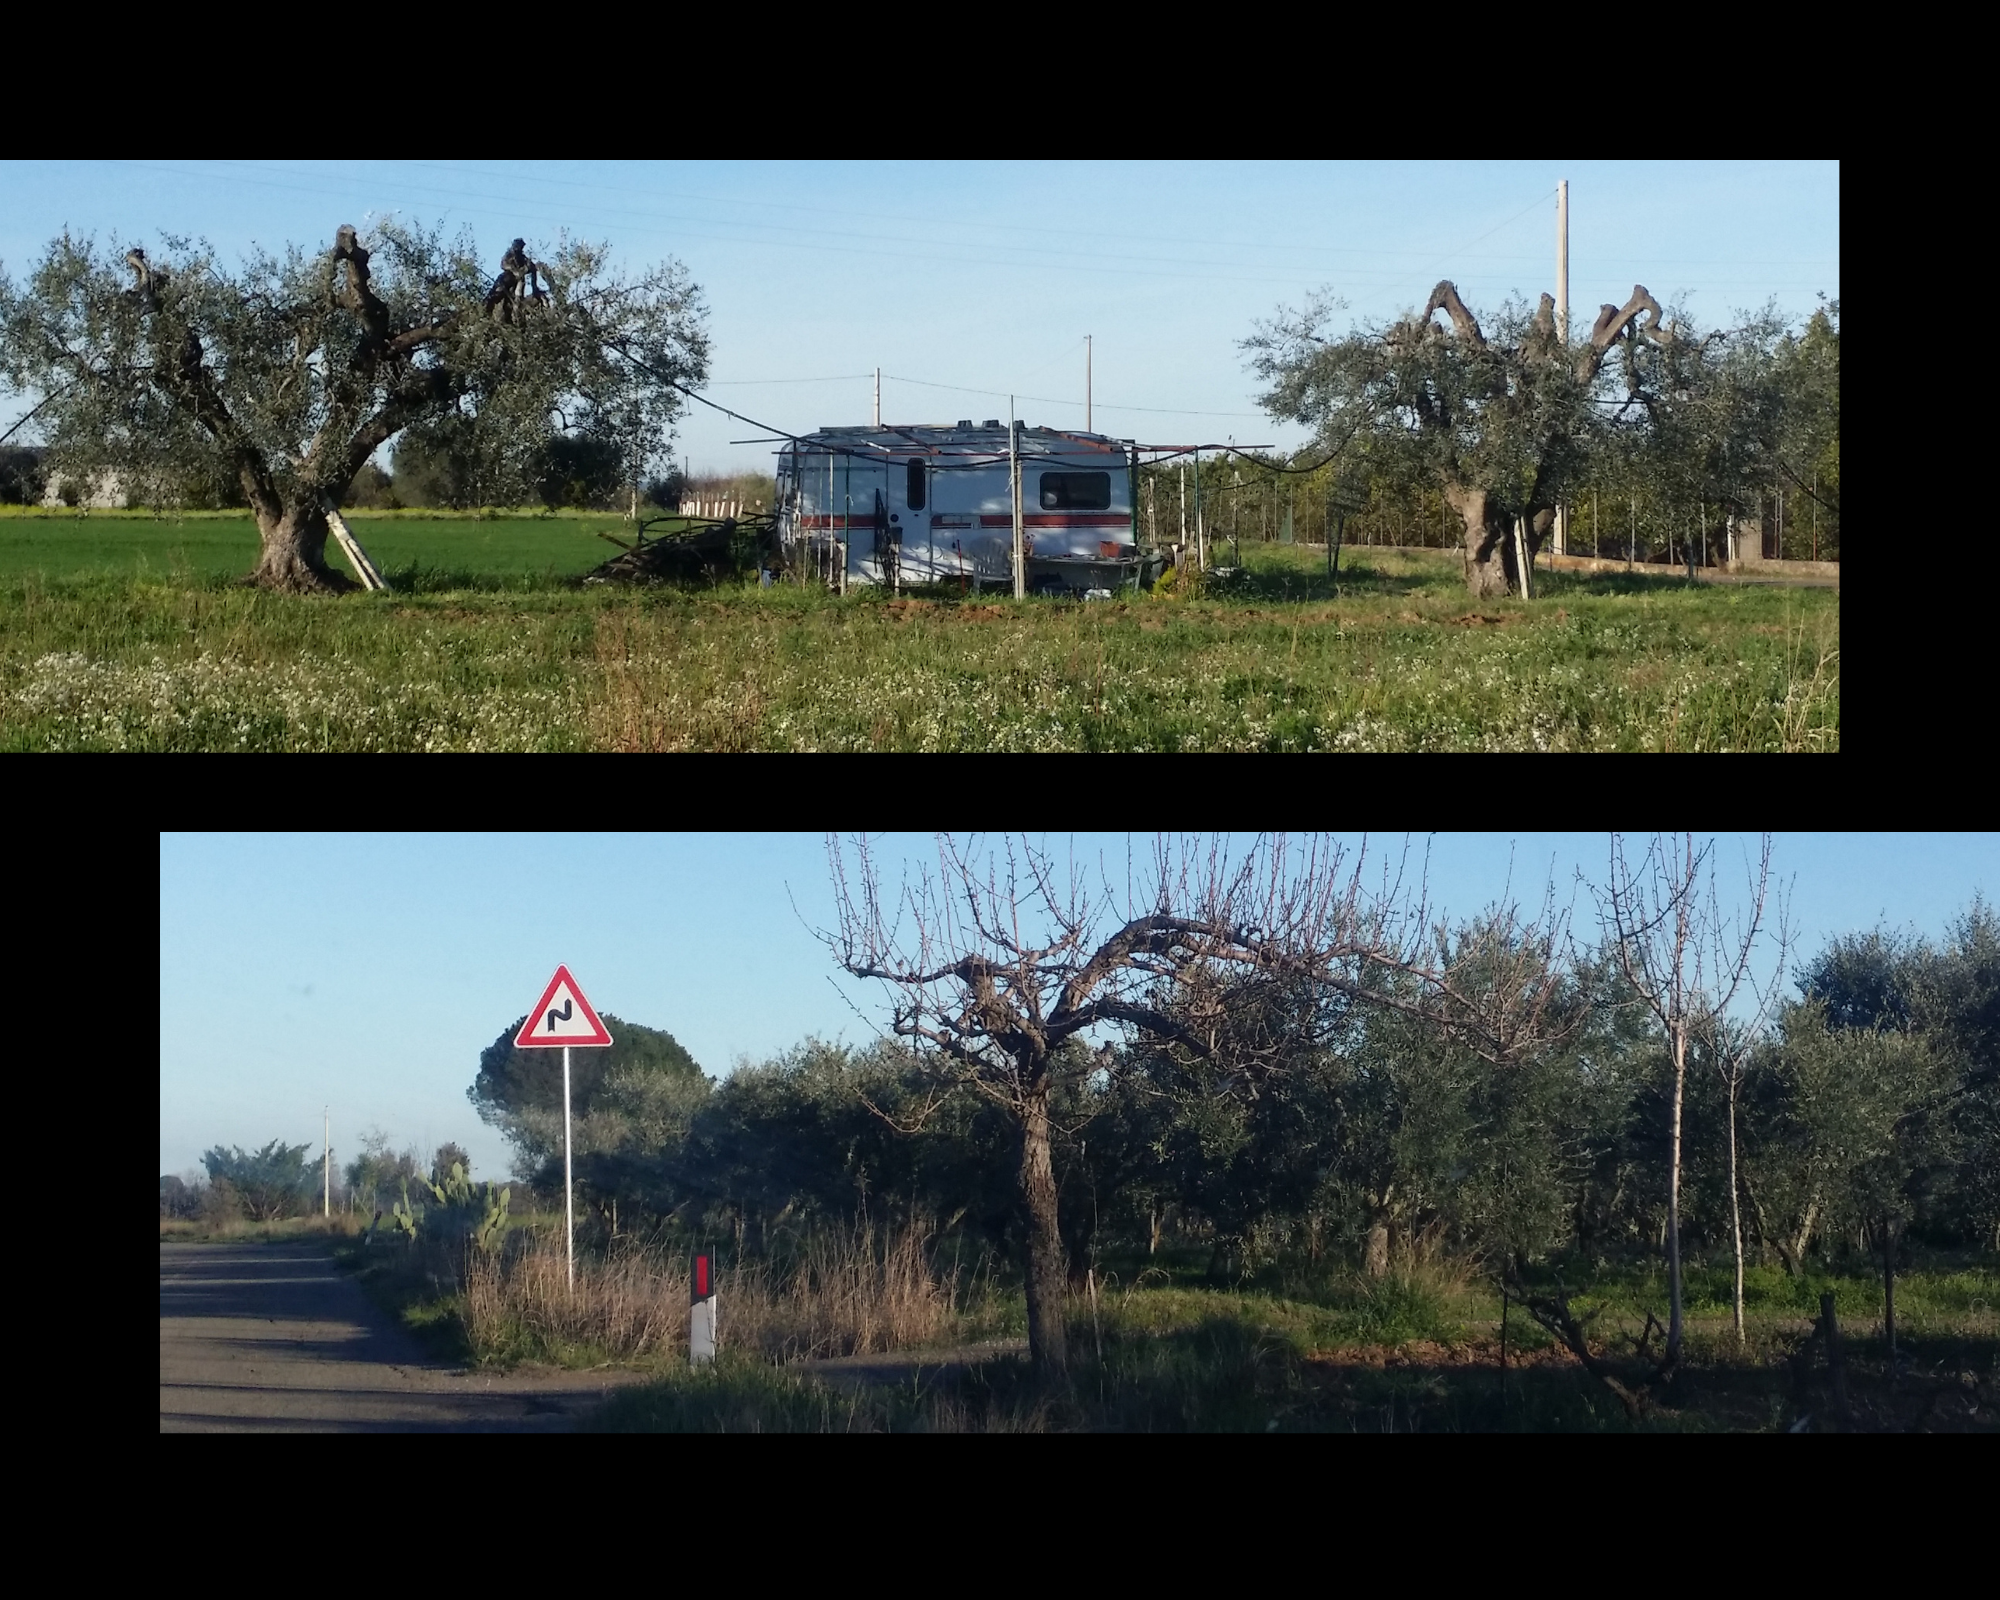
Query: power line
<point>838,377</point>
<point>1054,400</point>
<point>931,223</point>
<point>1066,258</point>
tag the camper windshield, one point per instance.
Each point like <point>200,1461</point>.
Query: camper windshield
<point>1076,491</point>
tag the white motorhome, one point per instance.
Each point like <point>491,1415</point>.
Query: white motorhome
<point>934,504</point>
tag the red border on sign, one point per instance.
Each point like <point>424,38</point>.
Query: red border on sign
<point>523,1041</point>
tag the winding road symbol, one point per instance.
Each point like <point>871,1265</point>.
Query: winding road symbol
<point>562,1018</point>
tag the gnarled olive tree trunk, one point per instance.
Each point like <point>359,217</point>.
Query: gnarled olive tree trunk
<point>294,554</point>
<point>1492,566</point>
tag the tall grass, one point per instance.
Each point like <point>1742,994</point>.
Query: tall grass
<point>851,1292</point>
<point>846,1293</point>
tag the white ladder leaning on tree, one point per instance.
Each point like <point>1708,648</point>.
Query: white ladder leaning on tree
<point>364,569</point>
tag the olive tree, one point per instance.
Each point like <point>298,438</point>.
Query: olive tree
<point>1501,422</point>
<point>278,379</point>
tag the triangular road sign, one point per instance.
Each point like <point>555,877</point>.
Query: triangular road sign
<point>562,1016</point>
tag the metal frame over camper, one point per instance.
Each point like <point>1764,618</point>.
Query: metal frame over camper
<point>936,504</point>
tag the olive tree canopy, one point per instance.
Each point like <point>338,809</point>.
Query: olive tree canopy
<point>279,379</point>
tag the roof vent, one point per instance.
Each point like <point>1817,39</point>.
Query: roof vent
<point>965,422</point>
<point>990,422</point>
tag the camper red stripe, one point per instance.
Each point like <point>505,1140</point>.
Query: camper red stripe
<point>1062,519</point>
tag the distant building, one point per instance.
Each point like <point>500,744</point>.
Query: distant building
<point>107,491</point>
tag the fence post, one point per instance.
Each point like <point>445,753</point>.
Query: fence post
<point>1835,1364</point>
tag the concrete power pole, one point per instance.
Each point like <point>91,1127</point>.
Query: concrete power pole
<point>1562,326</point>
<point>326,1132</point>
<point>878,397</point>
<point>1014,481</point>
<point>1086,383</point>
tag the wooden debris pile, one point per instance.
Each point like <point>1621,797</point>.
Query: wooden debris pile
<point>701,553</point>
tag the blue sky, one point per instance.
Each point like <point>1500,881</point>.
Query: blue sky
<point>986,276</point>
<point>368,971</point>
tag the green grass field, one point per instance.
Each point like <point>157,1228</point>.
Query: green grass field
<point>1402,1355</point>
<point>125,631</point>
<point>413,550</point>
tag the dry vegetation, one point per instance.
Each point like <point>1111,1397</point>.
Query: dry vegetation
<point>211,1230</point>
<point>835,1294</point>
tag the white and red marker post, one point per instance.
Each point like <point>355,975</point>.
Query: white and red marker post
<point>563,1017</point>
<point>701,1316</point>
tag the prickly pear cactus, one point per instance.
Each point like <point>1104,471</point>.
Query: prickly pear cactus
<point>461,1212</point>
<point>492,1231</point>
<point>401,1218</point>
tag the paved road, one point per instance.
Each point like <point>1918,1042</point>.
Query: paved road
<point>269,1338</point>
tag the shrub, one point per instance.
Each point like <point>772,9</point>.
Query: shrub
<point>269,1183</point>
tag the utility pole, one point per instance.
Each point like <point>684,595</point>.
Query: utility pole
<point>1014,480</point>
<point>878,397</point>
<point>1086,383</point>
<point>326,1131</point>
<point>1236,514</point>
<point>1562,261</point>
<point>634,414</point>
<point>1561,540</point>
<point>1200,528</point>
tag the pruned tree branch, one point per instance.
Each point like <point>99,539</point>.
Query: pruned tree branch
<point>1445,295</point>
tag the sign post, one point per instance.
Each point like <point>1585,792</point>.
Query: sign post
<point>1341,499</point>
<point>701,1318</point>
<point>563,1017</point>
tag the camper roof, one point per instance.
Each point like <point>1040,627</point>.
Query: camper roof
<point>937,438</point>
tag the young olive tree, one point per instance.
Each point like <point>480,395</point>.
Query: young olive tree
<point>278,380</point>
<point>998,958</point>
<point>1502,424</point>
<point>1686,961</point>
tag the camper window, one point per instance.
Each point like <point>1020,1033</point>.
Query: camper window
<point>1076,491</point>
<point>915,497</point>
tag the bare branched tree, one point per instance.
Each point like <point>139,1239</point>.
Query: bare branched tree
<point>1730,1043</point>
<point>1000,957</point>
<point>1687,960</point>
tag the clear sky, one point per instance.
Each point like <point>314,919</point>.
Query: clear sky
<point>985,276</point>
<point>368,971</point>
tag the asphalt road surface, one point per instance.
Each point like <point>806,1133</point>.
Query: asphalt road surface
<point>273,1338</point>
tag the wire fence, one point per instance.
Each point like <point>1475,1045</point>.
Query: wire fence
<point>1227,502</point>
